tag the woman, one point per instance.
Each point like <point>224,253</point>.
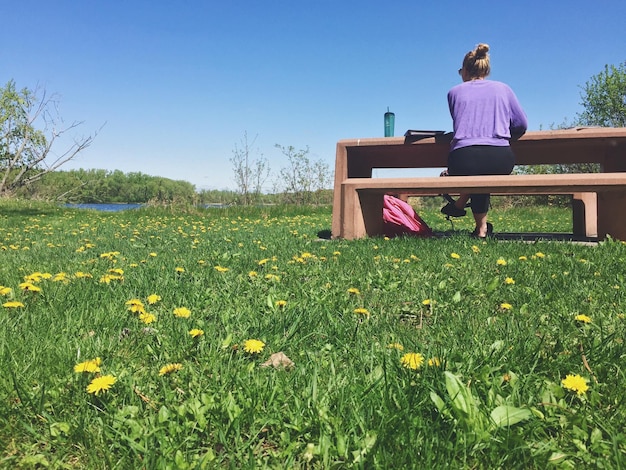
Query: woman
<point>486,116</point>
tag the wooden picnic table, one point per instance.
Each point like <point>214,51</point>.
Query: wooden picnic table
<point>357,158</point>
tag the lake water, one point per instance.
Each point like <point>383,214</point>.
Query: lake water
<point>104,207</point>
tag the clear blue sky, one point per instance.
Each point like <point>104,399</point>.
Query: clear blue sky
<point>177,83</point>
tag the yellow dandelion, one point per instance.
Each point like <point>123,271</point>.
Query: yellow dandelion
<point>455,255</point>
<point>13,304</point>
<point>353,291</point>
<point>427,302</point>
<point>152,255</point>
<point>5,290</point>
<point>61,277</point>
<point>29,287</point>
<point>575,383</point>
<point>253,346</point>
<point>169,368</point>
<point>523,258</point>
<point>101,384</point>
<point>116,271</point>
<point>362,311</point>
<point>397,346</point>
<point>220,269</point>
<point>182,312</point>
<point>412,360</point>
<point>582,318</point>
<point>434,362</point>
<point>263,261</point>
<point>253,274</point>
<point>475,249</point>
<point>135,306</point>
<point>82,275</point>
<point>280,303</point>
<point>137,309</point>
<point>107,278</point>
<point>179,270</point>
<point>506,306</point>
<point>539,254</point>
<point>196,332</point>
<point>153,299</point>
<point>92,365</point>
<point>501,262</point>
<point>147,318</point>
<point>509,281</point>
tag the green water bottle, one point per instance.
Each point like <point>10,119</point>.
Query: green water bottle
<point>390,121</point>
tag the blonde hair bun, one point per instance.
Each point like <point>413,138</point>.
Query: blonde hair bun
<point>482,50</point>
<point>476,63</point>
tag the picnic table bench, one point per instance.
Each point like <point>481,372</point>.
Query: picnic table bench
<point>599,199</point>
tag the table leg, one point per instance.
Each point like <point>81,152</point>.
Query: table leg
<point>611,219</point>
<point>585,214</point>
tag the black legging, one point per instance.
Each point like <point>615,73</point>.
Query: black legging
<point>481,160</point>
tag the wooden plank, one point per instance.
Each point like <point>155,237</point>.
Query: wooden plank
<point>505,184</point>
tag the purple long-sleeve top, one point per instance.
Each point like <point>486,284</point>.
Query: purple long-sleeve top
<point>485,112</point>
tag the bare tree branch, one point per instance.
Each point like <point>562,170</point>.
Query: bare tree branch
<point>26,150</point>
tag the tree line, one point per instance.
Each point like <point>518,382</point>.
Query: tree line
<point>110,187</point>
<point>103,186</point>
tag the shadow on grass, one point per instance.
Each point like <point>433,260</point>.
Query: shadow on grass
<point>525,237</point>
<point>21,210</point>
<point>325,234</point>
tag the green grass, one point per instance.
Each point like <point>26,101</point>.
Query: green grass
<point>492,396</point>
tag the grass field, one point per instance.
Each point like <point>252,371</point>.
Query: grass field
<point>238,339</point>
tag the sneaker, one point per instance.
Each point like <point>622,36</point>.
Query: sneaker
<point>452,211</point>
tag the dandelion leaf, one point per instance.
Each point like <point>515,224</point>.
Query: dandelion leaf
<point>59,428</point>
<point>503,416</point>
<point>164,414</point>
<point>461,395</point>
<point>439,403</point>
<point>495,282</point>
<point>227,341</point>
<point>595,437</point>
<point>366,444</point>
<point>557,458</point>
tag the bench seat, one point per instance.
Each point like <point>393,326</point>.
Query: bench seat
<point>595,194</point>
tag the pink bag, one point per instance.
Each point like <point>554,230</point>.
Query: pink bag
<point>399,218</point>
